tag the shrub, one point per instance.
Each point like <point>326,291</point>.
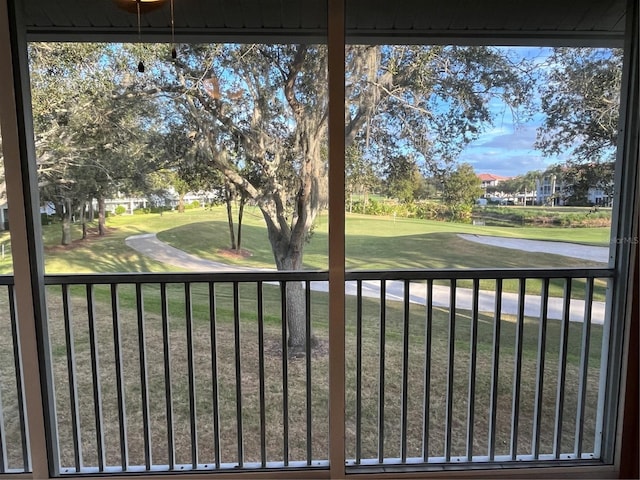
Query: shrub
<point>460,212</point>
<point>120,209</point>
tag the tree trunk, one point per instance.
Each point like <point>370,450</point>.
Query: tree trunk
<point>240,214</point>
<point>66,225</point>
<point>181,203</point>
<point>83,220</point>
<point>296,321</point>
<point>289,257</point>
<point>227,199</point>
<point>101,216</point>
<point>92,212</point>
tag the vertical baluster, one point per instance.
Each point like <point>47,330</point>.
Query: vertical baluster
<point>358,371</point>
<point>450,370</point>
<point>285,375</point>
<point>493,409</point>
<point>404,410</point>
<point>17,362</point>
<point>602,404</point>
<point>3,442</point>
<point>71,370</point>
<point>383,321</point>
<point>95,371</point>
<point>238,364</point>
<point>168,387</point>
<point>584,367</point>
<point>193,421</point>
<point>117,345</point>
<point>472,369</point>
<point>214,373</point>
<point>263,418</point>
<point>517,369</point>
<point>427,371</point>
<point>307,293</point>
<point>562,369</point>
<point>542,340</point>
<point>144,384</point>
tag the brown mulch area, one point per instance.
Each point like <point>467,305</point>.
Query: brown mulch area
<point>92,236</point>
<point>230,253</point>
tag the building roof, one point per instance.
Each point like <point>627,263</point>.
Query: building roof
<point>490,177</point>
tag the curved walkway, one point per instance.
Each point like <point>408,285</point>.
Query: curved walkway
<point>585,252</point>
<point>149,245</point>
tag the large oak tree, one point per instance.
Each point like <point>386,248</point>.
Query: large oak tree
<point>269,105</point>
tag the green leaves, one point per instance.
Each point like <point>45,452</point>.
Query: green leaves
<point>580,101</point>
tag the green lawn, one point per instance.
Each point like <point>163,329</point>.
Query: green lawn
<point>385,242</point>
<point>371,243</point>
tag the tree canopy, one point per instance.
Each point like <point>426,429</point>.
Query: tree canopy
<point>581,100</point>
<point>257,114</point>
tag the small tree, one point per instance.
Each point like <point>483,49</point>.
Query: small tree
<point>360,175</point>
<point>461,189</point>
<point>404,180</point>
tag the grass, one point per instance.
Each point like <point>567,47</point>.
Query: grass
<point>384,243</point>
<point>154,340</point>
<point>371,243</point>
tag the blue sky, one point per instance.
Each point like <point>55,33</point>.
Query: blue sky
<point>506,148</point>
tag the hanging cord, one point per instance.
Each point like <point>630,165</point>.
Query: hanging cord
<point>174,53</point>
<point>140,64</point>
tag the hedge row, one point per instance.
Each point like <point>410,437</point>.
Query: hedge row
<point>543,216</point>
<point>422,210</point>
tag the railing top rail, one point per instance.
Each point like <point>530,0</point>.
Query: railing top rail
<point>185,277</point>
<point>6,280</point>
<point>479,273</point>
<point>319,275</point>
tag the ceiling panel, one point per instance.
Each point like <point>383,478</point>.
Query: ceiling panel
<point>367,20</point>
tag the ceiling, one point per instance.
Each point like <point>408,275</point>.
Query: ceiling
<point>544,22</point>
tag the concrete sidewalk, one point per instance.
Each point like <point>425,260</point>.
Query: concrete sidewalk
<point>150,246</point>
<point>584,252</point>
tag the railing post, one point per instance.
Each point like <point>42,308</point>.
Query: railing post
<point>28,266</point>
<point>624,231</point>
<point>336,56</point>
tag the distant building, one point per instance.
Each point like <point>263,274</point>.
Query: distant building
<point>548,190</point>
<point>490,180</point>
<point>551,189</point>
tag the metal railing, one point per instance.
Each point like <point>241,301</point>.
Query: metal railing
<point>14,446</point>
<point>184,372</point>
<point>475,367</point>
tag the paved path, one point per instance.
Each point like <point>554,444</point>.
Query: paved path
<point>150,246</point>
<point>585,252</point>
